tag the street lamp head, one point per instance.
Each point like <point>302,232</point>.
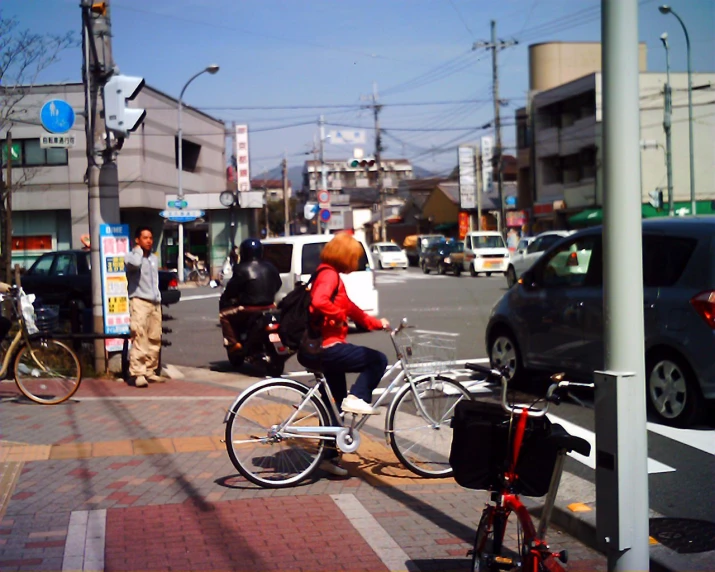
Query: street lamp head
<point>212,69</point>
<point>664,39</point>
<point>664,9</point>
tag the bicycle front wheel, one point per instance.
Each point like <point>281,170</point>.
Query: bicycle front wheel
<point>47,371</point>
<point>421,443</point>
<point>264,453</point>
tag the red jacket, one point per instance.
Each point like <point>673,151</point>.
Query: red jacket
<point>336,312</point>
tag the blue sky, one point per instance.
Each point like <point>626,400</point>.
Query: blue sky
<point>329,53</point>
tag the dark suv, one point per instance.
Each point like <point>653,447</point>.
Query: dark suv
<point>552,320</point>
<point>443,257</point>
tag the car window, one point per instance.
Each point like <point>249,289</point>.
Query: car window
<point>279,255</point>
<point>534,246</point>
<point>549,240</point>
<point>468,243</point>
<point>390,248</point>
<point>457,247</point>
<point>665,258</point>
<point>65,265</point>
<point>568,265</point>
<point>523,244</point>
<point>84,264</point>
<point>492,241</point>
<point>310,258</point>
<point>42,265</point>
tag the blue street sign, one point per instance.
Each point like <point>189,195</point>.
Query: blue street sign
<point>182,216</point>
<point>177,204</point>
<point>324,215</point>
<point>57,116</point>
<point>510,201</point>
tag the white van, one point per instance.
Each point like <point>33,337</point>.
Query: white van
<point>297,257</point>
<point>486,252</point>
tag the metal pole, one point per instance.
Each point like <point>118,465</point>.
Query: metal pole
<point>180,192</point>
<point>621,436</point>
<point>668,107</point>
<point>378,163</point>
<point>286,198</point>
<point>8,211</point>
<point>497,127</point>
<point>480,189</point>
<point>693,205</point>
<point>323,174</point>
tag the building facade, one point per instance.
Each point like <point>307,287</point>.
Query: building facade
<point>50,199</point>
<point>341,175</point>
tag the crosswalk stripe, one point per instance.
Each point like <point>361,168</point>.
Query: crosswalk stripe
<point>703,440</point>
<point>590,461</point>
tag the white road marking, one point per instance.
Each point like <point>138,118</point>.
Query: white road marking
<point>590,461</point>
<point>377,538</point>
<point>84,545</point>
<point>703,440</point>
<point>200,297</point>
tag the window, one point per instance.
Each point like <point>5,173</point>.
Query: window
<point>568,265</point>
<point>311,256</point>
<point>65,265</point>
<point>32,155</point>
<point>84,264</point>
<point>189,155</point>
<point>494,241</point>
<point>42,265</point>
<point>279,255</point>
<point>390,248</point>
<point>664,259</point>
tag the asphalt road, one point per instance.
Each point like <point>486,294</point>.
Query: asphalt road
<point>683,461</point>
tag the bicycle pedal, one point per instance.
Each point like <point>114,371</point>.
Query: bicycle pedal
<point>504,563</point>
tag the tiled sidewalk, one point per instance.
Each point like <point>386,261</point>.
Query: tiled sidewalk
<point>127,479</point>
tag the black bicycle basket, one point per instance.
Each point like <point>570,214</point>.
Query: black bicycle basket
<point>481,449</point>
<point>47,320</point>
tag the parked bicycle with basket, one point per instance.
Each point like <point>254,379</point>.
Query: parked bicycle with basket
<point>46,371</point>
<point>278,429</point>
<point>513,449</point>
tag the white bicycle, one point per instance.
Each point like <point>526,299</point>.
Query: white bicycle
<point>277,429</point>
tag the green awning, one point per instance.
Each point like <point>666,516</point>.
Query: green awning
<point>589,217</point>
<point>445,226</point>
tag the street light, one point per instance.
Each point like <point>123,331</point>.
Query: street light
<point>212,69</point>
<point>667,110</point>
<point>665,9</point>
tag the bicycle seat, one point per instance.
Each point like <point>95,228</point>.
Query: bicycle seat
<point>562,439</point>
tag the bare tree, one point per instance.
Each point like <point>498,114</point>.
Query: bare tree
<point>24,55</point>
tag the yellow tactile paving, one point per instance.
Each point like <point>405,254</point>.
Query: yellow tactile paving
<point>377,464</point>
<point>71,451</point>
<point>579,507</point>
<point>18,452</point>
<point>153,446</point>
<point>112,448</point>
<point>191,444</point>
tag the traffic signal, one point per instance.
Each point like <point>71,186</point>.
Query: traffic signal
<point>117,116</point>
<point>363,163</point>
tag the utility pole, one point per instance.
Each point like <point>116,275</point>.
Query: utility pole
<point>495,45</point>
<point>286,198</point>
<point>102,181</point>
<point>323,174</point>
<point>667,111</point>
<point>378,150</point>
<point>480,190</point>
<point>8,211</point>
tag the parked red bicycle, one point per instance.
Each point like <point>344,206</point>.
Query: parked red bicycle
<point>512,449</point>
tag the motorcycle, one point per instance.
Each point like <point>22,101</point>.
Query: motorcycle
<point>261,344</point>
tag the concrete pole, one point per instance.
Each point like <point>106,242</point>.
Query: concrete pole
<point>497,129</point>
<point>8,211</point>
<point>668,108</point>
<point>378,162</point>
<point>621,436</point>
<point>323,173</point>
<point>286,198</point>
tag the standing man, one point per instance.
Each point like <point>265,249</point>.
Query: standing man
<point>142,268</point>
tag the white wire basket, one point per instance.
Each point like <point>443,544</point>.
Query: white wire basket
<point>427,352</point>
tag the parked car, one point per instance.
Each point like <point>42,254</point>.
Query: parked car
<point>522,260</point>
<point>524,243</point>
<point>388,255</point>
<point>552,320</point>
<point>485,251</point>
<point>63,278</point>
<point>416,244</point>
<point>297,257</point>
<point>444,257</point>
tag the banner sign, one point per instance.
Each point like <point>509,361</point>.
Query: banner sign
<point>113,246</point>
<point>348,136</point>
<point>467,180</point>
<point>463,224</point>
<point>243,171</point>
<point>487,167</point>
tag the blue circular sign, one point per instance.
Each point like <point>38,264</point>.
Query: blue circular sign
<point>510,201</point>
<point>57,116</point>
<point>324,215</point>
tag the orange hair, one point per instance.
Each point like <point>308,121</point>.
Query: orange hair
<point>342,253</point>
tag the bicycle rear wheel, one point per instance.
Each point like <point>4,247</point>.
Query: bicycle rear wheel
<point>423,445</point>
<point>262,453</point>
<point>47,371</point>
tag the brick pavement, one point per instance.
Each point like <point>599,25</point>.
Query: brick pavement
<point>148,469</point>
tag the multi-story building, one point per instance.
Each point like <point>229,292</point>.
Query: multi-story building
<point>50,197</point>
<point>567,142</point>
<point>340,174</point>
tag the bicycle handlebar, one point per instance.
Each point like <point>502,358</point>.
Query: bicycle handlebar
<point>552,394</point>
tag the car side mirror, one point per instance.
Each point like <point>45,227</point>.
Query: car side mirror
<point>528,281</point>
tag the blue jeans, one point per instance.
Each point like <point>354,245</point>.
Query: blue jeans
<point>339,359</point>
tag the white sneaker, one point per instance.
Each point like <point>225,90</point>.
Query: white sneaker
<point>333,468</point>
<point>353,404</point>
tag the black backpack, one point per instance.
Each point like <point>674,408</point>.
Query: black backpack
<point>295,313</point>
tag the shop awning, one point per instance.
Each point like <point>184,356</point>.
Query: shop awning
<point>588,217</point>
<point>591,217</point>
<point>445,226</point>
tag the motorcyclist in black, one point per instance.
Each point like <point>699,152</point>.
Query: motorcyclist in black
<point>250,291</point>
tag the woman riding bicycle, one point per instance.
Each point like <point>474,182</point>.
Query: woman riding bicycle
<point>330,309</point>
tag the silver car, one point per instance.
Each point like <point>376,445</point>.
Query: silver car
<point>552,320</point>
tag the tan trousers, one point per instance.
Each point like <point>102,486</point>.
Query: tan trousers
<point>145,329</point>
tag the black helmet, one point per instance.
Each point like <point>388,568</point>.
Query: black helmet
<point>250,249</point>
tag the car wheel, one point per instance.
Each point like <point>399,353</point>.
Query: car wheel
<point>236,359</point>
<point>510,276</point>
<point>472,271</point>
<point>457,270</point>
<point>488,274</point>
<point>441,269</point>
<point>673,393</point>
<point>380,265</point>
<point>424,267</point>
<point>504,351</point>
